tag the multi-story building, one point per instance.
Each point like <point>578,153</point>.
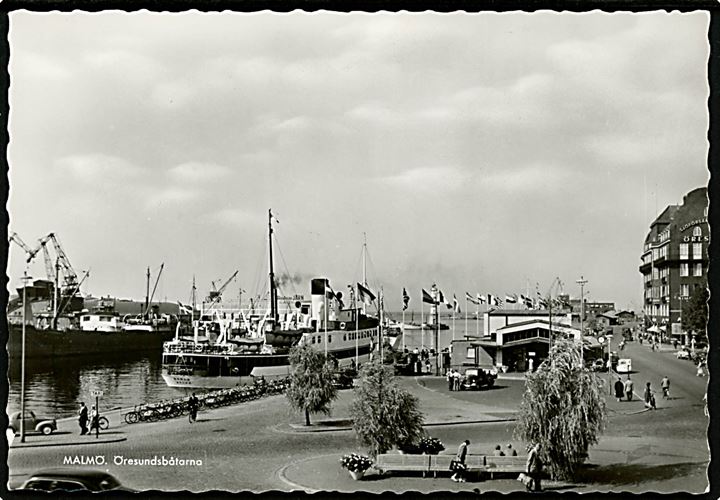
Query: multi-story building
<point>675,260</point>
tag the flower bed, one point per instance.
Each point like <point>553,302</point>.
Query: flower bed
<point>355,462</point>
<point>431,445</point>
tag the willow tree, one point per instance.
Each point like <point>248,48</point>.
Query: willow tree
<point>384,414</point>
<point>563,408</point>
<point>311,382</point>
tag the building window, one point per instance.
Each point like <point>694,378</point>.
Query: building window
<point>697,250</point>
<point>655,273</point>
<point>697,271</point>
<point>697,231</point>
<point>471,353</point>
<point>684,249</point>
<point>684,269</point>
<point>685,290</point>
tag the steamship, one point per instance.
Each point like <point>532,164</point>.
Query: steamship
<point>219,354</point>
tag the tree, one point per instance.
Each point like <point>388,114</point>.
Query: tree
<point>695,312</point>
<point>311,382</point>
<point>385,415</point>
<point>563,408</point>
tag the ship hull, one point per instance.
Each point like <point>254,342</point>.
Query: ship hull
<point>215,368</point>
<point>43,343</point>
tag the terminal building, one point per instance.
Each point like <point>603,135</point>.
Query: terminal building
<point>674,261</point>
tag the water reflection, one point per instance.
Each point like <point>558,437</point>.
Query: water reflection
<point>55,386</point>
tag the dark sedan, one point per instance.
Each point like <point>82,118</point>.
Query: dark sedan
<point>72,480</point>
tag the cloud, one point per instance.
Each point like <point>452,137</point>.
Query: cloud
<point>37,66</point>
<point>197,172</point>
<point>427,179</point>
<point>95,167</point>
<point>234,217</point>
<point>172,196</point>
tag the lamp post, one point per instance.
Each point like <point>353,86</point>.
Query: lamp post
<point>582,283</point>
<point>22,359</point>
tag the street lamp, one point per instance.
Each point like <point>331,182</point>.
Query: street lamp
<point>582,283</point>
<point>25,280</point>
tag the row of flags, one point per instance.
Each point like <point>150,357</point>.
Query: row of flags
<point>491,300</point>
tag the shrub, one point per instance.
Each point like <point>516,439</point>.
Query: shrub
<point>431,445</point>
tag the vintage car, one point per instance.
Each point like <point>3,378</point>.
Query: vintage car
<point>33,423</point>
<point>72,480</point>
<point>476,378</point>
<point>682,354</point>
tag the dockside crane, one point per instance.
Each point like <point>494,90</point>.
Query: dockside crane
<point>216,294</point>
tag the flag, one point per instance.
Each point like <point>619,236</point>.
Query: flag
<point>364,294</point>
<point>490,299</point>
<point>511,298</point>
<point>329,292</point>
<point>542,303</point>
<point>470,298</point>
<point>184,309</point>
<point>497,301</point>
<point>441,297</point>
<point>427,298</point>
<point>480,298</point>
<point>406,299</point>
<point>456,304</point>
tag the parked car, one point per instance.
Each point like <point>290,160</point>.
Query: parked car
<point>476,378</point>
<point>598,365</point>
<point>72,480</point>
<point>682,354</point>
<point>33,423</point>
<point>624,365</point>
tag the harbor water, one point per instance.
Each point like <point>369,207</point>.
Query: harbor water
<point>55,386</point>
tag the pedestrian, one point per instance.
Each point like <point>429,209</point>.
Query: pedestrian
<point>498,451</point>
<point>511,452</point>
<point>665,384</point>
<point>629,388</point>
<point>619,389</point>
<point>449,377</point>
<point>458,465</point>
<point>534,468</point>
<point>83,418</point>
<point>649,397</point>
<point>700,371</point>
<point>193,404</point>
<point>674,343</point>
<point>93,419</point>
<point>456,380</point>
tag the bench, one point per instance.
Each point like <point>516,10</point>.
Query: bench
<point>395,462</point>
<point>495,464</point>
<point>441,463</point>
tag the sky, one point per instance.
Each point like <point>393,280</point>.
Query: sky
<point>487,153</point>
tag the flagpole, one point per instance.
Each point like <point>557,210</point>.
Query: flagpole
<point>357,327</point>
<point>326,317</point>
<point>453,326</point>
<point>477,317</point>
<point>402,328</point>
<point>422,326</point>
<point>466,312</point>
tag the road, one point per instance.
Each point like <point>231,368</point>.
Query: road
<point>244,447</point>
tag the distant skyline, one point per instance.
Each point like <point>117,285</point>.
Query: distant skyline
<point>487,153</point>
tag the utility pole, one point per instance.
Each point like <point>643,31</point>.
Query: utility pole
<point>26,279</point>
<point>582,283</point>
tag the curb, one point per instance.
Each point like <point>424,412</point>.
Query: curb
<point>296,430</point>
<point>295,486</point>
<point>72,443</point>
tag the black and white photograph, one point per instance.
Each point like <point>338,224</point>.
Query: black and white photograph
<point>358,252</point>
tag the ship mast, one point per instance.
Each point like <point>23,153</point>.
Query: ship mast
<point>273,291</point>
<point>147,294</point>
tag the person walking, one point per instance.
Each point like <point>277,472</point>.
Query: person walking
<point>700,371</point>
<point>456,380</point>
<point>459,463</point>
<point>450,380</point>
<point>93,419</point>
<point>534,468</point>
<point>665,384</point>
<point>629,388</point>
<point>619,389</point>
<point>649,397</point>
<point>193,404</point>
<point>83,418</point>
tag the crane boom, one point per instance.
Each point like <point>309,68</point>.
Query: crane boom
<point>71,277</point>
<point>215,295</point>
